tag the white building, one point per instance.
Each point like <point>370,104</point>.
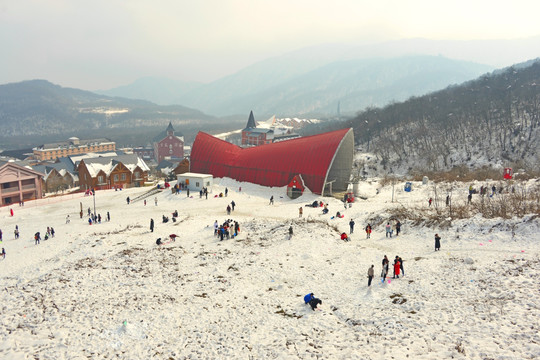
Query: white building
<point>195,181</point>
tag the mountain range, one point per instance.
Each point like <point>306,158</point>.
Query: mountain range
<point>302,84</point>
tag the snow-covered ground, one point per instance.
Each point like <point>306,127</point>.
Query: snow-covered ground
<point>108,291</point>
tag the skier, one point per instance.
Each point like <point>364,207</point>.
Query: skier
<point>351,225</point>
<point>437,242</point>
<point>370,274</point>
<point>151,225</point>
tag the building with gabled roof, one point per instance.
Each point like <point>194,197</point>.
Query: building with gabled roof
<point>60,175</point>
<point>169,146</point>
<point>114,171</point>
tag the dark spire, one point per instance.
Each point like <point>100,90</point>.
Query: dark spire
<point>251,121</point>
<point>170,129</point>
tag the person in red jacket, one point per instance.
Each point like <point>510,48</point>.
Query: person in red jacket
<point>397,267</point>
<point>344,237</point>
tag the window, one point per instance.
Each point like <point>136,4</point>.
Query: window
<point>115,177</point>
<point>197,184</point>
<point>123,177</point>
<point>100,179</point>
<point>136,175</point>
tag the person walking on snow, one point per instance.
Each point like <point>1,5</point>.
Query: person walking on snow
<point>233,204</point>
<point>388,229</point>
<point>370,274</point>
<point>151,225</point>
<point>368,231</point>
<point>430,201</point>
<point>351,226</point>
<point>271,200</point>
<point>437,242</point>
<point>3,253</point>
<point>155,200</point>
<point>290,232</point>
<point>398,227</point>
<point>300,211</point>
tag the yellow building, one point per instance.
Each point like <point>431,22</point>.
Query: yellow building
<point>73,146</point>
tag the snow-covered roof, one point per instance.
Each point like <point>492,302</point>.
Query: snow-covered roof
<point>109,163</point>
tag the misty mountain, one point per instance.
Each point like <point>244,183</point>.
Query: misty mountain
<point>311,82</point>
<point>161,91</point>
<point>354,84</point>
<point>38,107</point>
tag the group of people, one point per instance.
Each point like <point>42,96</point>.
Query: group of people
<point>229,229</point>
<point>390,228</point>
<point>397,267</point>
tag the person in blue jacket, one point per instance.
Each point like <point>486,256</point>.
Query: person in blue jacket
<point>308,297</point>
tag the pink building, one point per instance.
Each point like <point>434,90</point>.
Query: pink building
<point>18,183</point>
<point>170,146</point>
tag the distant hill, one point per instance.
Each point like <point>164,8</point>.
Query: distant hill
<point>493,120</point>
<point>38,107</point>
<point>160,91</point>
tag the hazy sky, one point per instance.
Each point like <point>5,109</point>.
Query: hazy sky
<point>99,44</point>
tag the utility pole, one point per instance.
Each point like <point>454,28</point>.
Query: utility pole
<point>94,195</point>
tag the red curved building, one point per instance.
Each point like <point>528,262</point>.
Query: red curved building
<point>322,160</point>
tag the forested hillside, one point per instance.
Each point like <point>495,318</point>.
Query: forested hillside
<point>493,121</point>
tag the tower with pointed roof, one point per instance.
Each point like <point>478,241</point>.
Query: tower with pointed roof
<point>252,136</point>
<point>169,145</point>
<point>251,124</point>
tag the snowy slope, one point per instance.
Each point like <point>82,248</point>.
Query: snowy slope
<point>107,290</point>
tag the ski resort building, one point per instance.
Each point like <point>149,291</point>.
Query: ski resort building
<point>113,171</point>
<point>73,146</point>
<point>324,161</point>
<point>195,181</point>
<point>169,146</point>
<point>253,136</point>
<point>18,183</point>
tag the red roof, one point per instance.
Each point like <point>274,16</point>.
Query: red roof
<point>277,163</point>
